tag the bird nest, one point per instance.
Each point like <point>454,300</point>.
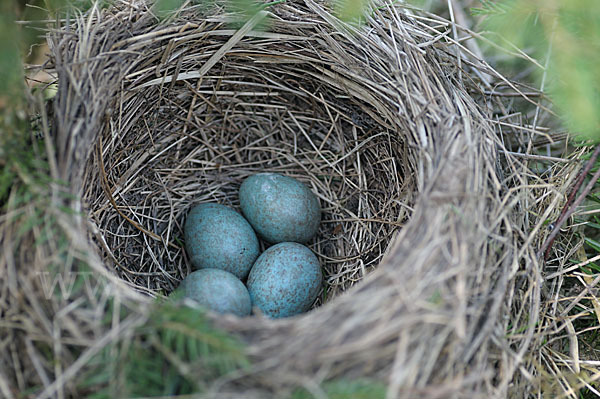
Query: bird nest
<point>385,122</point>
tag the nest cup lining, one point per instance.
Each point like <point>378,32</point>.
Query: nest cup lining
<point>171,146</point>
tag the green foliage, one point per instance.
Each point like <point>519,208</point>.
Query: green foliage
<point>570,32</point>
<point>165,7</point>
<point>491,7</point>
<point>23,173</point>
<point>15,42</point>
<point>176,352</point>
<point>246,8</point>
<point>11,84</point>
<point>242,10</point>
<point>347,389</point>
<point>351,11</point>
<point>62,8</point>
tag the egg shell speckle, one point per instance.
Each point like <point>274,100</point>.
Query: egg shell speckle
<point>218,237</point>
<point>285,280</point>
<point>280,208</point>
<point>217,290</point>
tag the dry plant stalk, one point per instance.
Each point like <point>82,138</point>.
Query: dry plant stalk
<point>424,206</point>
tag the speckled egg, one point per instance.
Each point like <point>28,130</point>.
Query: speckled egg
<point>218,237</point>
<point>217,290</point>
<point>280,208</point>
<point>285,280</point>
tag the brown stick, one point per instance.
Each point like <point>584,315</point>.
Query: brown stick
<point>107,191</point>
<point>571,205</point>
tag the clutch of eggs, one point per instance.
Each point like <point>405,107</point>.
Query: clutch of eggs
<point>223,246</point>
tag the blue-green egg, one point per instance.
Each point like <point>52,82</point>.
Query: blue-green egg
<point>280,208</point>
<point>285,280</point>
<point>217,290</point>
<point>218,237</point>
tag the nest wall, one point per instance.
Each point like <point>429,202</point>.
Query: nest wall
<point>420,231</point>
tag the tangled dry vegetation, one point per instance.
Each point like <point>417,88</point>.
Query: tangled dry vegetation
<point>431,222</point>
